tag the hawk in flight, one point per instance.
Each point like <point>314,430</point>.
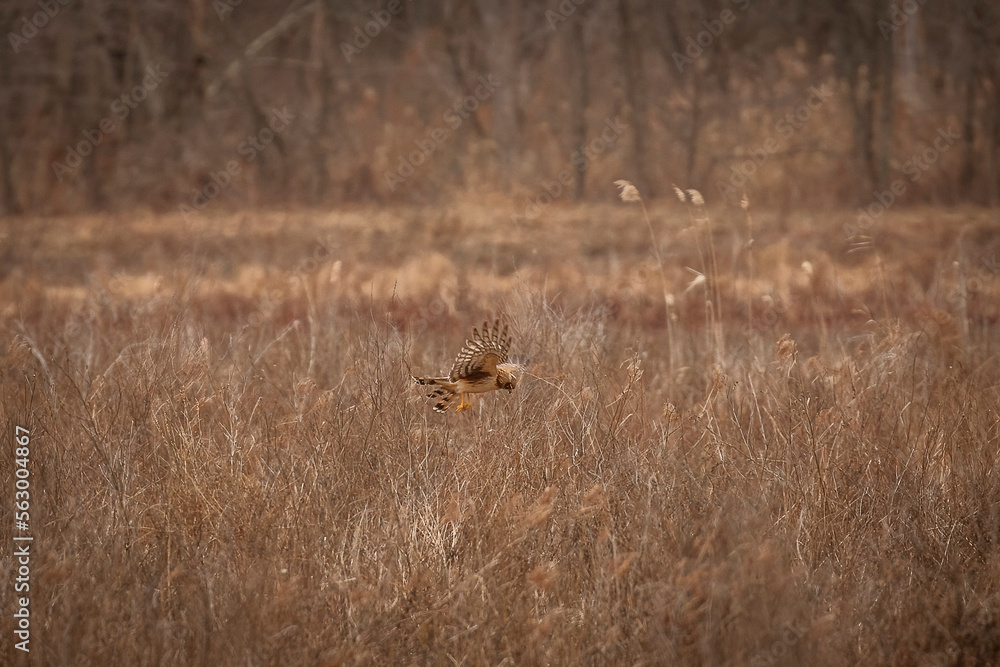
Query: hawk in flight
<point>480,367</point>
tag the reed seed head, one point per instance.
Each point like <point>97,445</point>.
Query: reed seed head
<point>629,192</point>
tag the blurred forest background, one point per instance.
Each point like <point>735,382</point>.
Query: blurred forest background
<point>115,105</point>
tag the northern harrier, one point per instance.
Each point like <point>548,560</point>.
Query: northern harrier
<point>480,367</point>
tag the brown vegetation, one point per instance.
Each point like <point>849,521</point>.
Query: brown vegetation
<point>794,464</point>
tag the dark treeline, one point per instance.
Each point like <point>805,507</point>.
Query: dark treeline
<point>109,104</point>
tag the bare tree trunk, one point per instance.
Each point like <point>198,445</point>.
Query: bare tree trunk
<point>8,197</point>
<point>92,74</point>
<point>502,23</point>
<point>967,174</point>
<point>864,59</point>
<point>269,166</point>
<point>321,83</point>
<point>9,201</point>
<point>580,99</point>
<point>635,93</point>
<point>863,108</point>
<point>991,146</point>
<point>692,135</point>
<point>451,25</point>
<point>690,127</point>
<point>885,58</point>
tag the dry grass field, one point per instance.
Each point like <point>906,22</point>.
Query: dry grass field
<point>744,438</point>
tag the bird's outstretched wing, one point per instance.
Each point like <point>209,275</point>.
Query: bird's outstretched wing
<point>479,358</point>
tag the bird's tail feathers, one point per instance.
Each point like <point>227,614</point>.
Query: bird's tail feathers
<point>426,381</point>
<point>443,399</point>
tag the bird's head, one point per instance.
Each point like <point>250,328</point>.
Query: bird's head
<point>507,375</point>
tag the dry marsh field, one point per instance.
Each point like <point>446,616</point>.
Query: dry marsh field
<point>744,438</point>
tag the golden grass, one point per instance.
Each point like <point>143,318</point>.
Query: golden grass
<point>232,467</point>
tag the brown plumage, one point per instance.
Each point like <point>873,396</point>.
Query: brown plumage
<point>481,366</point>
